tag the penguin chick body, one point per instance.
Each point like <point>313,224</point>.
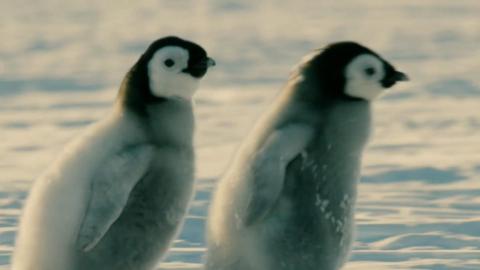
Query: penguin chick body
<point>287,200</point>
<point>116,197</point>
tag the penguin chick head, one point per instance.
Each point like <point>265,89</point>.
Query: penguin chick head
<point>353,71</point>
<point>171,67</point>
<point>175,67</point>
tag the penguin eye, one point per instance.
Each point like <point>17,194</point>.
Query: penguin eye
<point>370,71</point>
<point>169,63</point>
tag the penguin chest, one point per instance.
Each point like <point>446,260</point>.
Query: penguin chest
<point>322,190</point>
<point>161,197</point>
<point>152,216</point>
<point>316,211</point>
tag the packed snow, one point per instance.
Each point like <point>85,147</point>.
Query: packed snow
<point>419,198</point>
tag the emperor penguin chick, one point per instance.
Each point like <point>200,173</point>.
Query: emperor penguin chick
<point>117,196</point>
<point>287,200</point>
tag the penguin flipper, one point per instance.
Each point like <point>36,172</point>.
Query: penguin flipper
<point>269,167</point>
<point>110,189</point>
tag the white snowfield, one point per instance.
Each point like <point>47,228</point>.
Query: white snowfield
<point>419,198</point>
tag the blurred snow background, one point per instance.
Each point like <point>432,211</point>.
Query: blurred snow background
<point>419,206</point>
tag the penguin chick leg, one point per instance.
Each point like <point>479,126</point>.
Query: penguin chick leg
<point>111,187</point>
<point>268,168</point>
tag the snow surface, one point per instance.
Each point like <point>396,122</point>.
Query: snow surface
<point>419,205</point>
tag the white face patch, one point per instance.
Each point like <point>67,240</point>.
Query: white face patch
<point>363,76</point>
<point>166,76</point>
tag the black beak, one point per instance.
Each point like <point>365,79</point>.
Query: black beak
<point>199,68</point>
<point>394,77</point>
<point>400,77</point>
<point>209,62</point>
